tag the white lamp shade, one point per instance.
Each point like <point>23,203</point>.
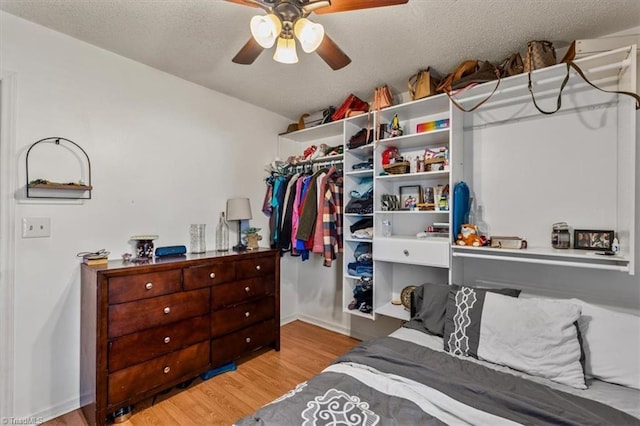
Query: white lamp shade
<point>265,29</point>
<point>238,209</point>
<point>309,34</point>
<point>286,51</point>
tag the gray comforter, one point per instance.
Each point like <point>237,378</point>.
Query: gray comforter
<point>388,381</point>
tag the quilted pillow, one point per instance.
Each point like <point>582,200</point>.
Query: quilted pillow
<point>537,336</point>
<point>429,304</point>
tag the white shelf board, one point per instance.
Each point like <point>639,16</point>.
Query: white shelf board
<point>547,256</point>
<point>361,151</point>
<point>360,173</point>
<point>321,131</point>
<point>600,69</point>
<point>412,211</point>
<point>394,311</point>
<point>412,176</point>
<point>358,240</point>
<point>357,313</point>
<point>353,277</point>
<point>359,215</point>
<point>426,106</point>
<point>418,140</point>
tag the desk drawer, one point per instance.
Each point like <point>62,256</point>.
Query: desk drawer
<point>417,252</point>
<point>144,286</point>
<point>142,346</point>
<point>141,378</point>
<point>130,317</point>
<point>208,275</point>
<point>241,291</point>
<point>232,346</point>
<point>256,267</point>
<point>225,320</point>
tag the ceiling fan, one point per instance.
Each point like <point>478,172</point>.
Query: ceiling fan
<point>286,20</point>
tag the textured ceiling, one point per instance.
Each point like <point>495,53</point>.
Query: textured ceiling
<point>196,39</point>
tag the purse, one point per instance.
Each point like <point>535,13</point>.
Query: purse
<point>353,103</point>
<point>422,84</point>
<point>470,72</point>
<point>512,65</point>
<point>382,98</point>
<point>540,54</point>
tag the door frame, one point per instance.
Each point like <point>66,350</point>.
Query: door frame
<point>8,176</point>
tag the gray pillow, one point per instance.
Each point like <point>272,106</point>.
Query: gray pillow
<point>429,304</point>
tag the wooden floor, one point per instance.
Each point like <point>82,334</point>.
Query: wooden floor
<point>304,351</point>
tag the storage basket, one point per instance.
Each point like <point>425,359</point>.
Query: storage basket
<point>397,168</point>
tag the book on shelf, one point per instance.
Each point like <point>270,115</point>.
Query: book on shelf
<point>94,262</point>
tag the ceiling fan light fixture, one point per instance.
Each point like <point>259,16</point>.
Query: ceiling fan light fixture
<point>286,51</point>
<point>266,29</point>
<point>309,34</point>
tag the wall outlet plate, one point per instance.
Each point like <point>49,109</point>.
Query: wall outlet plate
<point>36,227</point>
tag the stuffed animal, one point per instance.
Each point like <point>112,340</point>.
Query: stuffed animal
<point>468,236</point>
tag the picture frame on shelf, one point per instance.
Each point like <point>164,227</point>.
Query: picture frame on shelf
<point>410,197</point>
<point>589,239</point>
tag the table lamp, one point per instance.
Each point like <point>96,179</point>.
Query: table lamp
<point>239,209</point>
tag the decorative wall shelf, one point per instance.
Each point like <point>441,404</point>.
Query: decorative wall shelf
<point>43,188</point>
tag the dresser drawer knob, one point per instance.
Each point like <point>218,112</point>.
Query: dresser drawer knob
<point>166,310</point>
<point>247,289</point>
<point>166,369</point>
<point>248,340</point>
<point>258,267</point>
<point>212,275</point>
<point>247,314</point>
<point>167,339</point>
<point>148,286</point>
<point>406,252</point>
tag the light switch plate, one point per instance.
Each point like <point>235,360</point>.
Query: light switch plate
<point>36,227</point>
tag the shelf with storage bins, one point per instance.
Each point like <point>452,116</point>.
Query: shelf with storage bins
<point>400,257</point>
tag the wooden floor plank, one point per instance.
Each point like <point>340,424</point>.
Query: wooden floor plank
<point>305,350</point>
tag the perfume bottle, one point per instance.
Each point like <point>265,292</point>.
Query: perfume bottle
<point>222,234</point>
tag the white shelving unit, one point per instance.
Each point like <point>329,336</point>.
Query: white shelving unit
<point>524,168</point>
<point>402,259</point>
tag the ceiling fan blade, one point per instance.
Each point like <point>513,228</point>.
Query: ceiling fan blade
<point>346,5</point>
<point>249,52</point>
<point>252,3</point>
<point>332,54</point>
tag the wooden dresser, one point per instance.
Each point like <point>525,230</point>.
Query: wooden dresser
<point>146,328</point>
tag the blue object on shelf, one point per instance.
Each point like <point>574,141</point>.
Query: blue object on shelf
<point>171,251</point>
<point>461,206</point>
<point>230,366</point>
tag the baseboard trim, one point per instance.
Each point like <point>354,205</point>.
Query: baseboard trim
<point>56,411</point>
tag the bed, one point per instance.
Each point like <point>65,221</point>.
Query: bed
<point>479,356</point>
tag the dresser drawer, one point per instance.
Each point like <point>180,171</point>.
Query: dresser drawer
<point>208,275</point>
<point>232,346</point>
<point>418,252</point>
<point>141,378</point>
<point>241,291</point>
<point>143,286</point>
<point>142,346</point>
<point>126,318</point>
<point>224,321</point>
<point>256,267</point>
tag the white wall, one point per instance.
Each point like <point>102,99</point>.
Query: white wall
<point>164,153</point>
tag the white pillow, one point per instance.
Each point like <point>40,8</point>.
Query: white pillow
<point>537,336</point>
<point>611,343</point>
